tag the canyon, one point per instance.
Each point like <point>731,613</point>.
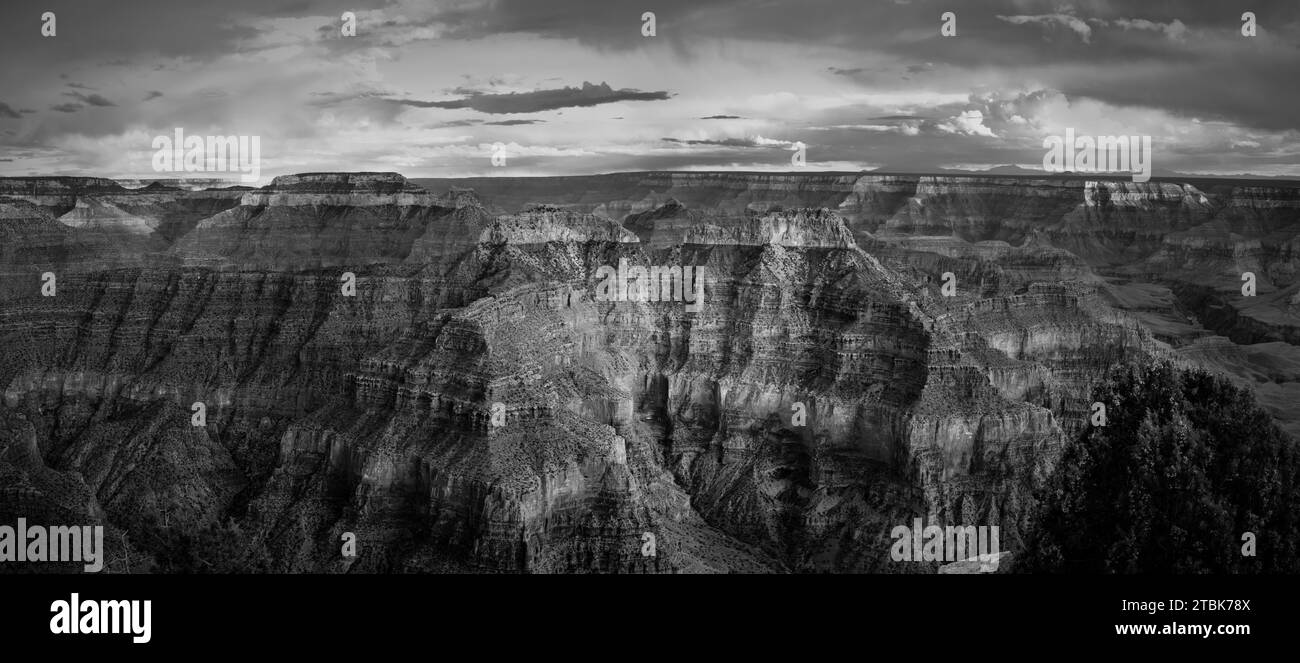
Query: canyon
<point>827,391</point>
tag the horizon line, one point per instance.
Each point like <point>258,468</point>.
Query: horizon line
<point>1027,174</point>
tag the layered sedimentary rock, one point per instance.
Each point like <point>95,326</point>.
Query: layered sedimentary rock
<point>862,350</point>
<point>321,220</point>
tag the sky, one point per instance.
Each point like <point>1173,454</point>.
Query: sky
<point>560,87</point>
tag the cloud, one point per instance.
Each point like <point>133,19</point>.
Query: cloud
<point>67,108</point>
<point>335,103</point>
<point>513,123</point>
<point>901,128</point>
<point>92,99</point>
<point>746,142</point>
<point>970,123</point>
<point>1174,29</point>
<point>1050,20</point>
<point>455,123</point>
<point>492,84</point>
<point>6,111</point>
<point>153,94</point>
<point>540,100</point>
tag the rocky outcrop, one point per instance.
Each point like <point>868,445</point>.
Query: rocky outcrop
<point>322,220</point>
<point>545,224</point>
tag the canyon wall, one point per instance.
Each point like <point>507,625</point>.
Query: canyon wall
<point>867,349</point>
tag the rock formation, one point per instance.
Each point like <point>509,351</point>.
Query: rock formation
<point>869,349</point>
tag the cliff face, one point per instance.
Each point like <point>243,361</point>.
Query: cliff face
<point>321,220</point>
<point>863,350</point>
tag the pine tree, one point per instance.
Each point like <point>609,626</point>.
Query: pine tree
<point>1186,464</point>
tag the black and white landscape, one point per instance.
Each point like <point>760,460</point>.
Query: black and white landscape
<point>653,287</point>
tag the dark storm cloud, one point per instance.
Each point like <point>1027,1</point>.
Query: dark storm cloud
<point>108,31</point>
<point>1186,58</point>
<point>540,100</point>
<point>881,26</point>
<point>1256,90</point>
<point>612,23</point>
<point>900,93</point>
<point>1139,53</point>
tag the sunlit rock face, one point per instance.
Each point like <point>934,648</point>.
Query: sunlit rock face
<point>862,350</point>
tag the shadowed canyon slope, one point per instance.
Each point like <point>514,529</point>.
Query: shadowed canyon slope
<point>826,390</point>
